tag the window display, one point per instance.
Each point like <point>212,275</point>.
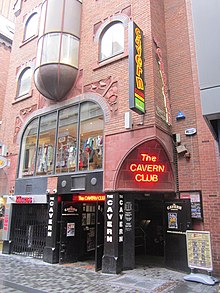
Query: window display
<point>73,136</point>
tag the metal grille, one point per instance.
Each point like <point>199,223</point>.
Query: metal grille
<point>29,229</point>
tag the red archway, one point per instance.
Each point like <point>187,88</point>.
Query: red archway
<point>146,168</point>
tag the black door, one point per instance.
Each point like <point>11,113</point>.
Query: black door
<point>69,233</point>
<point>99,236</point>
<point>177,221</point>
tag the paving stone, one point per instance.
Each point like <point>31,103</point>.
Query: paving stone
<point>24,274</point>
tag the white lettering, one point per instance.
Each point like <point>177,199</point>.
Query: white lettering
<point>110,202</point>
<point>50,210</point>
<point>109,216</point>
<point>109,210</point>
<point>120,239</point>
<point>109,223</point>
<point>109,238</point>
<point>109,231</point>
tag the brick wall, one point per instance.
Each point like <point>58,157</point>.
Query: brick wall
<point>167,25</point>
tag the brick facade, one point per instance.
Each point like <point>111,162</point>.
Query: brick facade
<point>166,25</point>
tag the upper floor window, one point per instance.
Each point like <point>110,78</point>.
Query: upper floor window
<point>73,144</point>
<point>112,41</point>
<point>24,82</point>
<point>31,26</point>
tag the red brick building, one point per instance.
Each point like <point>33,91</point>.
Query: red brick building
<point>107,107</point>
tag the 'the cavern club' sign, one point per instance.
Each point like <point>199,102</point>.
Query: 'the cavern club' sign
<point>148,170</point>
<point>136,69</point>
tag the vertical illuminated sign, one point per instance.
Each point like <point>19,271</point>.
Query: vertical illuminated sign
<point>136,69</point>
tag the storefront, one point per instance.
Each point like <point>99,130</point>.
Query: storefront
<point>145,222</point>
<point>24,230</point>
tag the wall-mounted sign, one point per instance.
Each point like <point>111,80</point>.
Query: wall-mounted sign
<point>148,170</point>
<point>196,203</point>
<point>199,252</point>
<point>136,69</point>
<point>98,197</point>
<point>190,131</point>
<point>3,162</point>
<point>164,113</point>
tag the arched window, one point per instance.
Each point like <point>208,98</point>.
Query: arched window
<point>112,41</point>
<point>24,82</point>
<point>31,26</point>
<point>73,144</point>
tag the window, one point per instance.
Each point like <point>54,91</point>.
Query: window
<point>29,148</point>
<point>31,26</point>
<point>24,82</point>
<point>91,132</point>
<point>112,41</point>
<point>76,141</point>
<point>46,143</point>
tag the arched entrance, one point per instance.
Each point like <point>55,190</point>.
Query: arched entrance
<point>145,184</point>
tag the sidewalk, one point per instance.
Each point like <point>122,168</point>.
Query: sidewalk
<point>23,274</point>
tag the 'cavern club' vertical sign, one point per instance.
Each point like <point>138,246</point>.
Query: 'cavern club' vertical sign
<point>136,69</point>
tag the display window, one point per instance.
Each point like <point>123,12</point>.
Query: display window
<point>91,137</point>
<point>46,143</point>
<point>67,140</point>
<point>27,160</point>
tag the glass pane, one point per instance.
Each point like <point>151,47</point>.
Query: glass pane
<point>39,52</point>
<point>45,153</point>
<point>31,26</point>
<point>51,45</point>
<point>24,82</point>
<point>29,142</point>
<point>67,140</point>
<point>54,16</point>
<point>69,50</point>
<point>91,137</point>
<point>112,41</point>
<point>42,19</point>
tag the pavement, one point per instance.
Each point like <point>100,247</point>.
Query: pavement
<point>25,274</point>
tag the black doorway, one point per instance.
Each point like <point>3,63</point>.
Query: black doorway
<point>149,232</point>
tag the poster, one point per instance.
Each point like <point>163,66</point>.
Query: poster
<point>195,200</point>
<point>199,252</point>
<point>172,221</point>
<point>70,229</point>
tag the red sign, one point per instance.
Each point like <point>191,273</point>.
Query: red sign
<point>6,223</point>
<point>21,199</point>
<point>148,170</point>
<point>99,197</point>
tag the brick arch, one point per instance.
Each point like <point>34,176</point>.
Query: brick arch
<point>146,167</point>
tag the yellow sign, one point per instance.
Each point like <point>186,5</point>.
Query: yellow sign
<point>199,251</point>
<point>3,162</point>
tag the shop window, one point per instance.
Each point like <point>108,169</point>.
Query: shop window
<point>91,137</point>
<point>24,82</point>
<point>28,151</point>
<point>67,140</point>
<point>76,141</point>
<point>31,27</point>
<point>112,41</point>
<point>46,144</point>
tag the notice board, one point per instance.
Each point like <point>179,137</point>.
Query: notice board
<point>199,252</point>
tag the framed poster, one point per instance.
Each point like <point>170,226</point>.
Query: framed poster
<point>196,203</point>
<point>172,221</point>
<point>199,253</point>
<point>70,229</point>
